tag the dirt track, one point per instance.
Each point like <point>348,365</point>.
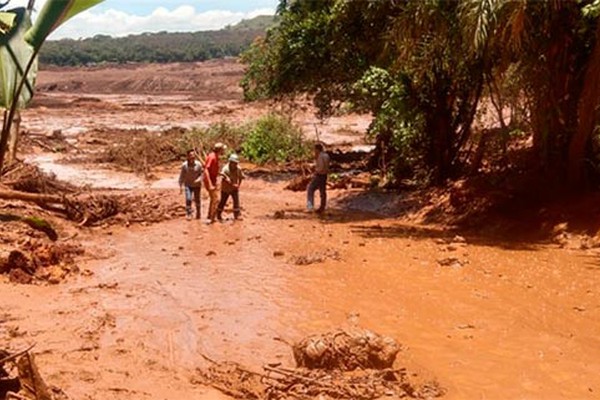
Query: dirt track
<point>487,317</point>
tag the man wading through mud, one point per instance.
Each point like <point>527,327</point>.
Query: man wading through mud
<point>190,179</point>
<point>232,177</point>
<point>319,180</point>
<point>211,172</point>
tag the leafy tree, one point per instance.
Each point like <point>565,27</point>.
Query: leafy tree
<point>336,50</point>
<point>554,45</point>
<point>421,66</point>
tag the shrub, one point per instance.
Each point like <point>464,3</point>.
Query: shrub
<point>274,138</point>
<point>204,138</point>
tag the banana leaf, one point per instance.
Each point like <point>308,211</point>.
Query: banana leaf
<point>20,40</point>
<point>15,54</point>
<point>53,14</point>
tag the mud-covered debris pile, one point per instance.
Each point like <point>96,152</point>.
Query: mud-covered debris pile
<point>91,209</point>
<point>29,178</point>
<point>36,261</point>
<point>299,183</point>
<point>148,208</point>
<point>20,379</point>
<point>98,209</point>
<point>143,150</point>
<point>352,364</point>
<point>346,350</point>
<point>315,257</point>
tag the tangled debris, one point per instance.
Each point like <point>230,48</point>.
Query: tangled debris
<point>143,150</point>
<point>315,257</point>
<point>346,350</point>
<point>30,179</point>
<point>355,364</point>
<point>29,183</point>
<point>299,183</point>
<point>20,378</point>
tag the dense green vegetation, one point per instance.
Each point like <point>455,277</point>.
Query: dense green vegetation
<point>160,47</point>
<point>270,138</point>
<point>424,68</point>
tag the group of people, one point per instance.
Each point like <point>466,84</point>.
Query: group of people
<point>194,175</point>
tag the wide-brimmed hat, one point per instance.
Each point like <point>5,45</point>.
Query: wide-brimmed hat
<point>219,146</point>
<point>234,158</point>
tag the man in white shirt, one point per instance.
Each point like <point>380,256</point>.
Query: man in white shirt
<point>319,180</point>
<point>190,180</point>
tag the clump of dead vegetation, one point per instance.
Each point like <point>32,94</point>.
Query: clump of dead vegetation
<point>344,364</point>
<point>141,151</point>
<point>30,184</point>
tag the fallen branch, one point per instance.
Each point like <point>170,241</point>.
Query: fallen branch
<point>33,197</point>
<point>16,355</point>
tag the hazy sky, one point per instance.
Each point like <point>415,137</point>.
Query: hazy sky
<point>123,17</point>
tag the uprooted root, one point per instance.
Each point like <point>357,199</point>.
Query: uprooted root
<point>346,350</point>
<point>355,364</point>
<point>91,209</point>
<point>278,383</point>
<point>125,209</point>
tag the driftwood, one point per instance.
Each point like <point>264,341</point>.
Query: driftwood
<point>278,382</point>
<point>33,197</point>
<point>85,209</point>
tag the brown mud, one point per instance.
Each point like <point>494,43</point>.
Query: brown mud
<point>486,313</point>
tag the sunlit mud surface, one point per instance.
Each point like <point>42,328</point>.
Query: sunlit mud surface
<point>510,322</point>
<point>487,317</point>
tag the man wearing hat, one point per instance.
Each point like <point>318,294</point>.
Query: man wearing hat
<point>232,177</point>
<point>211,172</point>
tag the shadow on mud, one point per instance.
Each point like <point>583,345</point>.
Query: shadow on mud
<point>379,214</point>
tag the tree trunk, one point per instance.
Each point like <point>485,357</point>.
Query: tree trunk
<point>587,113</point>
<point>33,197</point>
<point>13,139</point>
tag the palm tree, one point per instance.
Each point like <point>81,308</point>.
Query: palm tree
<point>553,43</point>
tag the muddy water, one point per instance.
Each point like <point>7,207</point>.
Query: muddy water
<point>503,320</point>
<point>508,321</point>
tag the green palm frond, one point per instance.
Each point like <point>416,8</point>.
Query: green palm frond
<point>480,19</point>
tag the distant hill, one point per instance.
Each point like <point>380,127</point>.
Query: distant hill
<point>162,47</point>
<point>260,23</point>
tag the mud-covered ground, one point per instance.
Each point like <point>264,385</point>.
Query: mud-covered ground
<point>487,316</point>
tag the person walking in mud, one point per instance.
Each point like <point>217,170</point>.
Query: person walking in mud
<point>319,180</point>
<point>190,181</point>
<point>231,179</point>
<point>211,172</point>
